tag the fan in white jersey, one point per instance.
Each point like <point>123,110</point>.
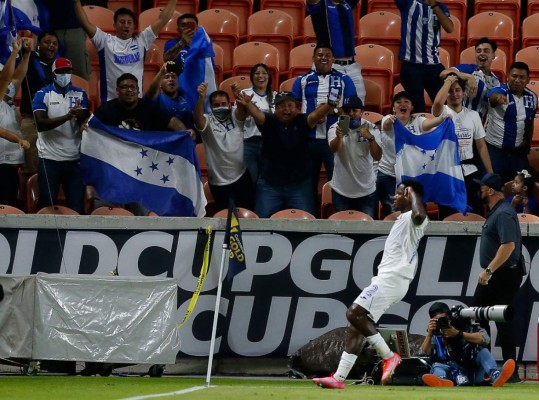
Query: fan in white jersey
<point>469,130</point>
<point>395,272</point>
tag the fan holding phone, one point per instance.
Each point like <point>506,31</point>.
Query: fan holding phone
<point>175,49</point>
<point>355,143</point>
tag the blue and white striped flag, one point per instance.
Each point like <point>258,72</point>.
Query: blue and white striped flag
<point>198,68</point>
<point>433,159</point>
<point>160,170</point>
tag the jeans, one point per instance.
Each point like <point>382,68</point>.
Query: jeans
<point>241,191</point>
<point>320,153</point>
<point>272,198</point>
<point>252,148</point>
<point>485,365</point>
<point>53,174</point>
<point>385,188</point>
<point>416,78</point>
<point>507,162</point>
<point>367,204</point>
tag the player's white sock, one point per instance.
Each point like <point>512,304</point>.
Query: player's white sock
<point>345,365</point>
<point>378,342</point>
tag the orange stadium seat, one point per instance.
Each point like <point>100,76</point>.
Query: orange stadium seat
<point>223,28</point>
<point>101,17</point>
<point>248,54</point>
<point>393,216</point>
<point>242,8</point>
<point>495,26</point>
<point>112,211</point>
<point>182,6</point>
<point>467,56</point>
<point>372,117</point>
<point>273,27</point>
<point>533,219</point>
<point>301,59</point>
<point>530,55</point>
<point>378,64</point>
<point>147,17</point>
<point>58,210</point>
<point>374,99</point>
<point>154,54</point>
<point>445,58</point>
<point>451,42</point>
<point>309,35</point>
<point>326,203</point>
<point>533,155</point>
<point>243,82</point>
<point>292,213</point>
<point>287,85</point>
<point>242,213</point>
<point>295,8</point>
<point>533,7</point>
<point>530,30</point>
<point>350,215</point>
<point>219,62</point>
<point>4,209</point>
<point>382,5</point>
<point>511,8</point>
<point>461,217</point>
<point>84,85</point>
<point>114,5</point>
<point>201,157</point>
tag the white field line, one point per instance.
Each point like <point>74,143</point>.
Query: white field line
<point>179,392</point>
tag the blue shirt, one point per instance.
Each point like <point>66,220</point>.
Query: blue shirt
<point>179,60</point>
<point>177,107</point>
<point>420,32</point>
<point>334,24</point>
<point>312,89</point>
<point>484,83</point>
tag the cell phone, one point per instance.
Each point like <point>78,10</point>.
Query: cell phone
<point>344,124</point>
<point>333,95</point>
<point>191,25</point>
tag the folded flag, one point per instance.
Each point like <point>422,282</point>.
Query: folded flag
<point>234,242</point>
<point>433,159</point>
<point>160,170</point>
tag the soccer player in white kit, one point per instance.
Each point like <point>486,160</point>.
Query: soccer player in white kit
<point>395,272</point>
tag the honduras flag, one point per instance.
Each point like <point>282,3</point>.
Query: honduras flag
<point>433,159</point>
<point>198,68</point>
<point>157,169</point>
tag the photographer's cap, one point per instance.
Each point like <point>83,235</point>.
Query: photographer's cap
<point>493,181</point>
<point>282,96</point>
<point>352,102</point>
<point>438,308</point>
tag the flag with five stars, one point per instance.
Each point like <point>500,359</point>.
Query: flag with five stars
<point>433,159</point>
<point>160,170</point>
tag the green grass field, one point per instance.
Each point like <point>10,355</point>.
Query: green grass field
<point>42,387</point>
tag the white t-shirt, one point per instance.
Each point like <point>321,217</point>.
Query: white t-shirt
<point>400,249</point>
<point>468,127</point>
<point>388,160</point>
<point>353,173</point>
<point>10,153</point>
<point>223,143</point>
<point>120,57</point>
<point>261,101</point>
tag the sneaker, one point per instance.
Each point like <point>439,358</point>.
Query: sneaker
<point>503,375</point>
<point>514,379</point>
<point>389,367</point>
<point>329,382</point>
<point>435,381</point>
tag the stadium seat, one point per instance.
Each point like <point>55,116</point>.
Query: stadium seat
<point>522,217</point>
<point>182,6</point>
<point>326,203</point>
<point>58,210</point>
<point>382,5</point>
<point>495,26</point>
<point>292,213</point>
<point>445,58</point>
<point>242,8</point>
<point>5,209</point>
<point>534,152</point>
<point>372,117</point>
<point>112,211</point>
<point>458,9</point>
<point>273,27</point>
<point>374,99</point>
<point>114,5</point>
<point>95,93</point>
<point>170,30</point>
<point>384,29</point>
<point>451,42</point>
<point>201,156</point>
<point>377,64</point>
<point>511,8</point>
<point>295,8</point>
<point>467,56</point>
<point>309,36</point>
<point>533,7</point>
<point>248,54</point>
<point>533,155</point>
<point>393,216</point>
<point>154,55</point>
<point>210,202</point>
<point>301,59</point>
<point>286,86</point>
<point>84,85</point>
<point>147,17</point>
<point>534,86</point>
<point>101,17</point>
<point>242,213</point>
<point>218,61</point>
<point>461,217</point>
<point>530,31</point>
<point>244,82</point>
<point>351,215</point>
<point>530,55</point>
<point>223,28</point>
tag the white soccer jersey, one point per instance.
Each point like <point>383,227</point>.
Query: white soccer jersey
<point>400,249</point>
<point>10,153</point>
<point>261,101</point>
<point>119,57</point>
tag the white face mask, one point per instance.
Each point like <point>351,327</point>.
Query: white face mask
<point>10,93</point>
<point>62,80</point>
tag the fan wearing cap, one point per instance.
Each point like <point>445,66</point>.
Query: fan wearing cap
<point>11,141</point>
<point>356,147</point>
<point>285,163</point>
<point>459,353</point>
<point>499,254</point>
<point>59,110</point>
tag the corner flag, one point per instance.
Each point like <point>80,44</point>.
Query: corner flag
<point>234,242</point>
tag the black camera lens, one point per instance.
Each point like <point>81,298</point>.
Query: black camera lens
<point>442,323</point>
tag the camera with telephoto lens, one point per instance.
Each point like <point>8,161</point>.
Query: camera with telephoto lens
<point>442,323</point>
<point>490,313</point>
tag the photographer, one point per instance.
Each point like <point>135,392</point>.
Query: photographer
<point>458,352</point>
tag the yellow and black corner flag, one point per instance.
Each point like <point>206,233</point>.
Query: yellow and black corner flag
<point>234,242</point>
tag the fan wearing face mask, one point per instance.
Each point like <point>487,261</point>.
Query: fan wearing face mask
<point>222,134</point>
<point>59,110</point>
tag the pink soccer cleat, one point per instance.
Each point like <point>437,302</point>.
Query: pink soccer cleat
<point>389,367</point>
<point>329,382</point>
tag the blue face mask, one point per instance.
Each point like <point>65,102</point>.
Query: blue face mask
<point>354,123</point>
